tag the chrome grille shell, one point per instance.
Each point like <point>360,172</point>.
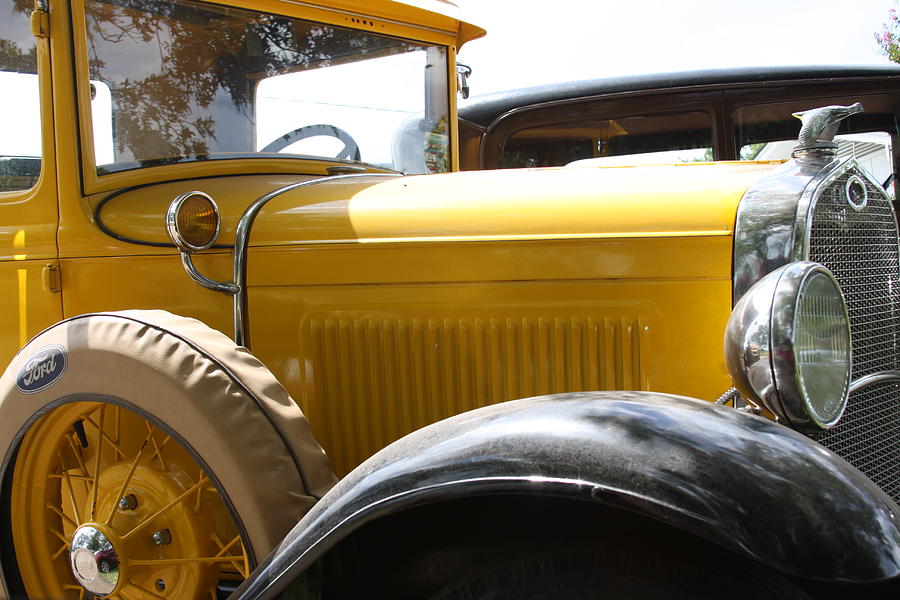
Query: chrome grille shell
<point>801,212</point>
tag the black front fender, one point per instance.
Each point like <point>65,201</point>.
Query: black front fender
<point>740,481</point>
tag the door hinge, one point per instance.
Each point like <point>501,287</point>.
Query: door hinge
<point>40,23</point>
<point>51,279</point>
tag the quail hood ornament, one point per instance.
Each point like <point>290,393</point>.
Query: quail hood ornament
<point>819,128</point>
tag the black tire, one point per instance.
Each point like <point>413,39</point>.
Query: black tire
<point>584,574</point>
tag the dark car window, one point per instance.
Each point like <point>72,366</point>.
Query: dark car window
<point>670,137</point>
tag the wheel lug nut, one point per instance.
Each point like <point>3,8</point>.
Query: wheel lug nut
<point>162,537</point>
<point>128,502</point>
<point>161,585</point>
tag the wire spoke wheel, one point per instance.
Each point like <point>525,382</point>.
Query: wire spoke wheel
<point>106,503</point>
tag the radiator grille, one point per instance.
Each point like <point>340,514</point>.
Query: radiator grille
<point>860,248</point>
<point>374,380</point>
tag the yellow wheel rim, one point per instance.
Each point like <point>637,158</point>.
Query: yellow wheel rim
<point>105,503</point>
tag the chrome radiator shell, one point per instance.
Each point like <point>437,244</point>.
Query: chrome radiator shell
<point>802,212</point>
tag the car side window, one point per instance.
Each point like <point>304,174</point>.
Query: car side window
<point>637,139</point>
<point>20,142</point>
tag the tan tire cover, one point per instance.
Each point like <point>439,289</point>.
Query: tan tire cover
<point>219,400</point>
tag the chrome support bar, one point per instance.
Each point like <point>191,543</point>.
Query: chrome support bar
<point>201,279</point>
<point>242,241</point>
<point>873,378</point>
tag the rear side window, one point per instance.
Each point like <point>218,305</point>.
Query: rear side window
<point>20,115</point>
<point>639,139</point>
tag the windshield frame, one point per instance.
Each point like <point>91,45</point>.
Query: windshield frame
<point>94,182</point>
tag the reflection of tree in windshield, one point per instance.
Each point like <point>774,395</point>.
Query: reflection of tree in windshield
<point>182,75</point>
<point>12,58</point>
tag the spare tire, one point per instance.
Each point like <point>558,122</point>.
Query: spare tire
<point>145,454</point>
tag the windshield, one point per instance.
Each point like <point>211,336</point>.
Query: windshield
<point>185,81</point>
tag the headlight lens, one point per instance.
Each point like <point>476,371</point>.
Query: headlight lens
<point>822,347</point>
<point>192,221</point>
<point>787,346</point>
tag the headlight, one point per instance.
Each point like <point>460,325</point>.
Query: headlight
<point>192,222</point>
<point>787,345</point>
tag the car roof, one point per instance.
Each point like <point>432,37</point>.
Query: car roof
<point>485,109</point>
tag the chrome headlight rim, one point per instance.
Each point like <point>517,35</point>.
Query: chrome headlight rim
<point>799,408</point>
<point>172,222</point>
<point>761,352</point>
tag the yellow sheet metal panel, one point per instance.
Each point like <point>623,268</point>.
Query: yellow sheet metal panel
<point>370,363</point>
<point>28,228</point>
<point>376,340</point>
<point>26,307</point>
<point>121,283</point>
<point>407,262</point>
<point>372,380</point>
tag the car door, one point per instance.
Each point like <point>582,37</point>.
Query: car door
<point>29,275</point>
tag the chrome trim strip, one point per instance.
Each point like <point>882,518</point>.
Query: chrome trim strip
<point>873,378</point>
<point>242,241</point>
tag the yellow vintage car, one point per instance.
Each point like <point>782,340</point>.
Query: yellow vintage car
<point>262,340</point>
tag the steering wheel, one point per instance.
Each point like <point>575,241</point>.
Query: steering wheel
<point>350,149</point>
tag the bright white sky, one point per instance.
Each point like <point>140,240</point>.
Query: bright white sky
<point>532,42</point>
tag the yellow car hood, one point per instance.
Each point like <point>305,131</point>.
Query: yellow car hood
<point>649,201</point>
<point>516,204</point>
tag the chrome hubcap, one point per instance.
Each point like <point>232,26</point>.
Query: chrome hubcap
<point>94,561</point>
